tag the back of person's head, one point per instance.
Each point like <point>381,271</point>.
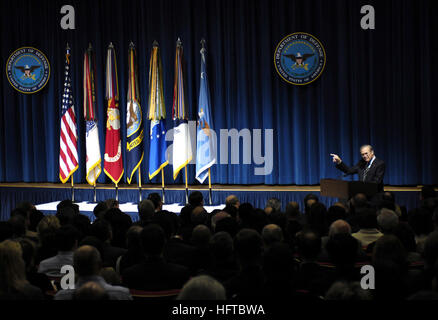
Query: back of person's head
<point>120,223</point>
<point>27,206</point>
<point>100,209</point>
<point>87,261</point>
<point>196,199</point>
<point>202,288</point>
<point>368,219</point>
<point>20,212</point>
<point>199,216</point>
<point>406,235</point>
<point>133,239</point>
<point>29,250</point>
<point>248,245</point>
<point>389,247</point>
<point>278,262</point>
<point>94,242</point>
<point>339,226</point>
<point>12,266</point>
<point>420,220</point>
<point>217,217</point>
<point>90,291</point>
<point>153,240</point>
<point>232,200</point>
<point>35,216</point>
<point>427,192</point>
<point>146,210</point>
<point>18,224</point>
<point>101,229</point>
<point>358,203</point>
<point>349,291</point>
<point>246,211</point>
<point>67,238</point>
<point>292,210</point>
<point>68,204</point>
<point>231,210</point>
<point>6,230</point>
<point>309,200</point>
<point>275,204</point>
<point>165,223</point>
<point>316,218</point>
<point>221,246</point>
<point>335,213</point>
<point>278,218</point>
<point>272,233</point>
<point>342,249</point>
<point>228,225</point>
<point>112,203</point>
<point>156,200</point>
<point>430,252</point>
<point>48,223</point>
<point>387,220</point>
<point>308,244</point>
<point>66,215</point>
<point>201,235</point>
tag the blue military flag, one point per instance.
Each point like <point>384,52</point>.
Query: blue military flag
<point>205,143</point>
<point>157,114</point>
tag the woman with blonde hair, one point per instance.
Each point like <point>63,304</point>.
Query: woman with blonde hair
<point>13,283</point>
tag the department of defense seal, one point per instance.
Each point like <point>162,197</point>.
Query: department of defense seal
<point>299,58</point>
<point>28,70</point>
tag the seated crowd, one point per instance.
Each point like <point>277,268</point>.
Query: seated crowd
<point>239,252</point>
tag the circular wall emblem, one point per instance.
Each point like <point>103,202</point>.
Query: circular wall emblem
<point>28,70</point>
<point>299,58</point>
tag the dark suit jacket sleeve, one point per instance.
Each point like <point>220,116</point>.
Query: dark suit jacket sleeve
<point>348,170</point>
<point>380,172</point>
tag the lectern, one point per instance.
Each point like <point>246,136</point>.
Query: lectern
<point>346,189</point>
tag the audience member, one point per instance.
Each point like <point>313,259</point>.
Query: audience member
<point>13,283</point>
<point>87,265</point>
<point>202,288</point>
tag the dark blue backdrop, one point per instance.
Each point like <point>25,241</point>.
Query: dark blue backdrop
<point>378,86</point>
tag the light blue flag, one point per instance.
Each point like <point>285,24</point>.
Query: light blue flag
<point>205,141</point>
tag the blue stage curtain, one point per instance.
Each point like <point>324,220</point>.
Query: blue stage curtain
<point>377,86</point>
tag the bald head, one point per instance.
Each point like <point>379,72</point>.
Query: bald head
<point>87,261</point>
<point>272,233</point>
<point>338,227</point>
<point>232,200</point>
<point>201,235</point>
<point>90,291</point>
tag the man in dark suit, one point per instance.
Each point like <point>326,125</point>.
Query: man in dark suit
<point>369,168</point>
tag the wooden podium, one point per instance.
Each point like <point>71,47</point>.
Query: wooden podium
<point>347,189</point>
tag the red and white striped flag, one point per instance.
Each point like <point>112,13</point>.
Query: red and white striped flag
<point>68,153</point>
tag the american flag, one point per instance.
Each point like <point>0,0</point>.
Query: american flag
<point>68,154</point>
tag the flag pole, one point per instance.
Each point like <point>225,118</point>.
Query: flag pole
<point>72,190</point>
<point>209,186</point>
<point>162,185</point>
<point>139,185</point>
<point>94,188</point>
<point>117,192</point>
<point>187,188</point>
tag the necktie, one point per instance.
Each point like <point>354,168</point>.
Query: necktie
<point>365,172</point>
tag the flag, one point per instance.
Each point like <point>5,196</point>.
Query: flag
<point>68,140</point>
<point>113,161</point>
<point>93,161</point>
<point>205,148</point>
<point>157,114</point>
<point>182,152</point>
<point>134,121</point>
